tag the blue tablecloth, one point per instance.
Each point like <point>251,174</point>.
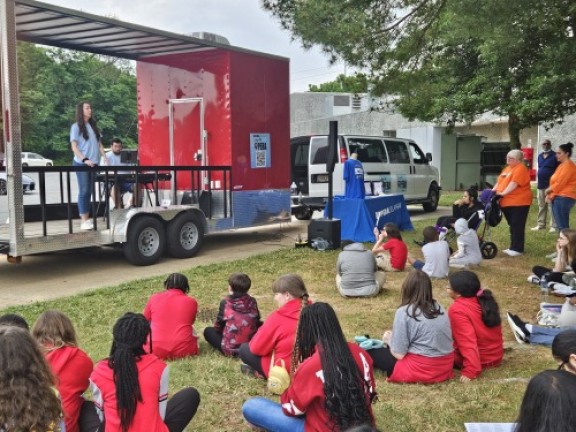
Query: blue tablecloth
<point>359,217</point>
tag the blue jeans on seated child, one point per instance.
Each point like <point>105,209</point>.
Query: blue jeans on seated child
<point>266,414</point>
<point>418,265</point>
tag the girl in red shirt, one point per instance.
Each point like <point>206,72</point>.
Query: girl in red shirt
<point>70,365</point>
<point>390,240</point>
<point>332,387</point>
<point>476,325</point>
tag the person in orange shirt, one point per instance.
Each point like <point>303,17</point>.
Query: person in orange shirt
<point>562,190</point>
<point>513,190</point>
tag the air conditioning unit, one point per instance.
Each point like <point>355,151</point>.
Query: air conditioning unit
<point>212,37</point>
<point>356,102</point>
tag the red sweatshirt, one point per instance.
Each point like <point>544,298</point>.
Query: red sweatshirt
<point>72,368</point>
<point>306,392</point>
<point>153,380</point>
<point>172,314</point>
<point>277,334</point>
<point>475,345</point>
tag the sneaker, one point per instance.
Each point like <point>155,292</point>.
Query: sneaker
<point>536,228</point>
<point>87,225</point>
<point>512,253</point>
<point>534,279</point>
<point>247,370</point>
<point>552,230</point>
<point>553,255</point>
<point>458,266</point>
<point>517,331</point>
<point>420,243</point>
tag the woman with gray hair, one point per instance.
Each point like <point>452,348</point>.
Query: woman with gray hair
<point>513,191</point>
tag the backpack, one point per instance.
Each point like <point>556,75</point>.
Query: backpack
<point>493,213</point>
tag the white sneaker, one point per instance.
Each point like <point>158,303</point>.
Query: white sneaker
<point>87,225</point>
<point>512,253</point>
<point>552,230</point>
<point>534,279</point>
<point>458,266</point>
<point>536,228</point>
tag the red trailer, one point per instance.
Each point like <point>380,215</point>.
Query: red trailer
<point>214,139</point>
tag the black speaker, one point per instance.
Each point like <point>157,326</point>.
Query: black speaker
<point>326,229</point>
<point>332,147</point>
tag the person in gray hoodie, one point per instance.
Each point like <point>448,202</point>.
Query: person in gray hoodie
<point>468,252</point>
<point>357,271</point>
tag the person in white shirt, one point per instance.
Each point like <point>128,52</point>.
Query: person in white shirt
<point>468,252</point>
<point>436,253</point>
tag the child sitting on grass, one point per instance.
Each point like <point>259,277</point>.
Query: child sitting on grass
<point>390,240</point>
<point>436,253</point>
<point>468,252</point>
<point>238,317</point>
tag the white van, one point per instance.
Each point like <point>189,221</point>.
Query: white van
<point>391,165</point>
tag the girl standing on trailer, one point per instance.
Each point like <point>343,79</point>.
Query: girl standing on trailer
<point>28,400</point>
<point>391,252</point>
<point>172,314</point>
<point>476,325</point>
<point>332,386</point>
<point>70,365</point>
<point>420,344</point>
<point>130,387</point>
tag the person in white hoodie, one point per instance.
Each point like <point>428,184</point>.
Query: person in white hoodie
<point>468,252</point>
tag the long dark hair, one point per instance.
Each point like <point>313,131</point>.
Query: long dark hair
<point>467,284</point>
<point>82,123</point>
<point>129,333</point>
<point>564,345</point>
<point>548,403</point>
<point>417,293</point>
<point>347,392</point>
<point>567,148</point>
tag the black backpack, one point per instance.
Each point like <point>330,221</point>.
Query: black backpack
<point>493,213</point>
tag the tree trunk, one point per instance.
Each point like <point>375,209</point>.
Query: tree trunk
<point>514,131</point>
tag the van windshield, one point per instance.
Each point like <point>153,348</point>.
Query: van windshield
<point>368,149</point>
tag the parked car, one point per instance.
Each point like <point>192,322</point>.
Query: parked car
<point>27,183</point>
<point>34,159</point>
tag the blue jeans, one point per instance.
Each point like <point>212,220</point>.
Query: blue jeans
<point>418,265</point>
<point>266,414</point>
<point>561,210</point>
<point>545,335</point>
<point>85,186</point>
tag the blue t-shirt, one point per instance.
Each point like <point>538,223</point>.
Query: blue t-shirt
<point>546,167</point>
<point>354,177</point>
<point>90,147</point>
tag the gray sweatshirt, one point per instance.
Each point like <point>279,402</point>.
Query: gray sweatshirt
<point>357,265</point>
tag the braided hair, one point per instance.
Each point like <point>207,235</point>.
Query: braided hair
<point>82,123</point>
<point>347,392</point>
<point>130,333</point>
<point>177,281</point>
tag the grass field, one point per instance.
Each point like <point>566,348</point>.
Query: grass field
<point>494,397</point>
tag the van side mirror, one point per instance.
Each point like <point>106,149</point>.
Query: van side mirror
<point>429,157</point>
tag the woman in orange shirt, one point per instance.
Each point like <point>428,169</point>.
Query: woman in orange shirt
<point>513,189</point>
<point>562,190</point>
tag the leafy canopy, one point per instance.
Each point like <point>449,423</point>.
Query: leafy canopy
<point>451,60</point>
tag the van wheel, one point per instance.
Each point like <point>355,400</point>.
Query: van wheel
<point>145,242</point>
<point>433,198</point>
<point>185,234</point>
<point>304,213</point>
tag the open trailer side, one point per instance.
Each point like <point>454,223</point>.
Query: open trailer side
<point>213,140</point>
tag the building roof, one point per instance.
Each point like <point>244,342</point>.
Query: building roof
<point>46,24</point>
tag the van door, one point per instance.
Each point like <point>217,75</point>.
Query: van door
<point>299,149</point>
<point>400,168</point>
<point>420,171</point>
<point>317,175</point>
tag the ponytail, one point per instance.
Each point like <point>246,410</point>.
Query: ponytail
<point>466,284</point>
<point>490,309</point>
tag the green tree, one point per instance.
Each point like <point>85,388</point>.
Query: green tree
<point>357,83</point>
<point>451,60</point>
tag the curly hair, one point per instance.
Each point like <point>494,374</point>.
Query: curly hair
<point>28,401</point>
<point>82,123</point>
<point>129,336</point>
<point>347,393</point>
<point>417,293</point>
<point>54,330</point>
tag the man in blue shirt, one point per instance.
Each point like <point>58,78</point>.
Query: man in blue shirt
<point>547,164</point>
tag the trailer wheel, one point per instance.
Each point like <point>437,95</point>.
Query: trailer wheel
<point>185,235</point>
<point>488,250</point>
<point>3,190</point>
<point>145,242</point>
<point>303,213</point>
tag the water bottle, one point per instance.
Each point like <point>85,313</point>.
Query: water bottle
<point>544,287</point>
<point>293,188</point>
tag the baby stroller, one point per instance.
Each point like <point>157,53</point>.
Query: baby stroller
<point>489,216</point>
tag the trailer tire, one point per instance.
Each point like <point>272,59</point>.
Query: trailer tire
<point>3,190</point>
<point>303,213</point>
<point>145,242</point>
<point>185,234</point>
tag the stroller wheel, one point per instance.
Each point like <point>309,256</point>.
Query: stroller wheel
<point>488,250</point>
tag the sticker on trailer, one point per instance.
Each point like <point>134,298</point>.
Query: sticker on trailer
<point>260,150</point>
